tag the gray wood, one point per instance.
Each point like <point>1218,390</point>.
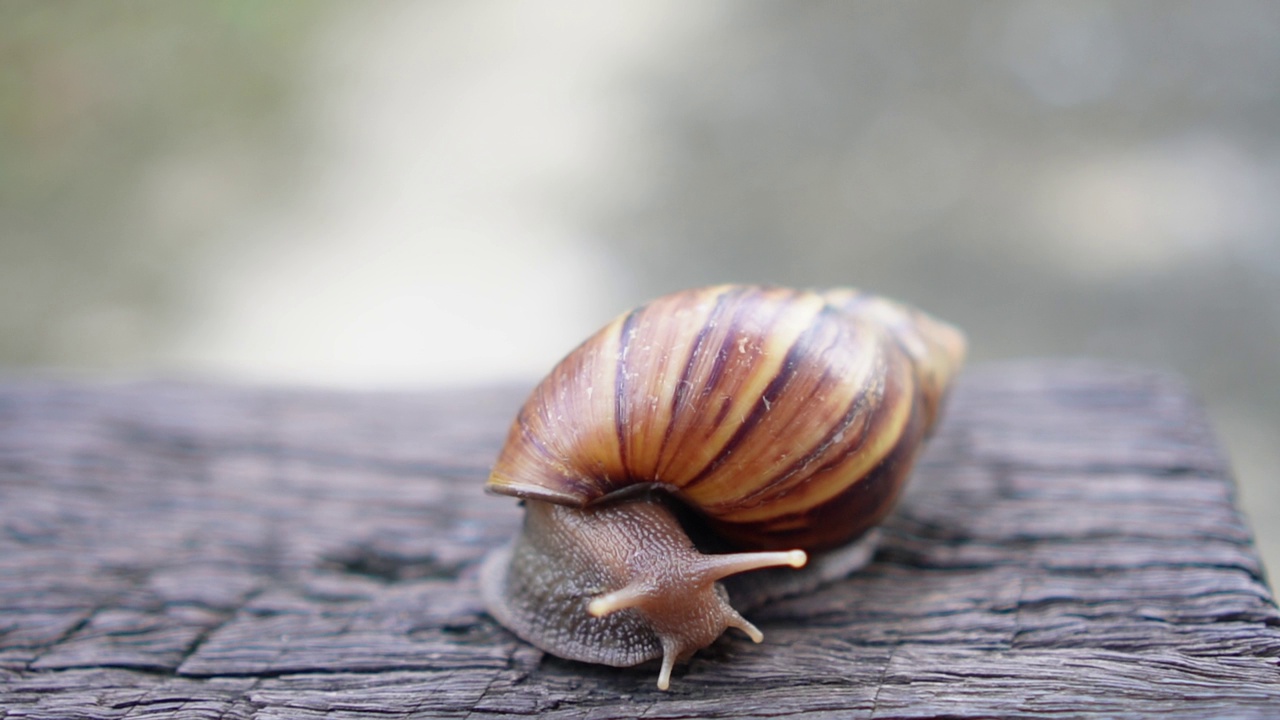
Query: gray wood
<point>1070,545</point>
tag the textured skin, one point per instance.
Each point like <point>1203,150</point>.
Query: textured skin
<point>540,586</point>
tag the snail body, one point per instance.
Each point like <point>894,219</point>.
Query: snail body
<point>772,422</point>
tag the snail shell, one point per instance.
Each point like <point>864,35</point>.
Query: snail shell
<point>781,421</point>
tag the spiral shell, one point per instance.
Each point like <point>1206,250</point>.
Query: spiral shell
<point>787,418</point>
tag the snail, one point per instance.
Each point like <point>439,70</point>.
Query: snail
<point>776,423</point>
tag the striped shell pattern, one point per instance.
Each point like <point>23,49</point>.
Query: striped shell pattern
<point>787,418</point>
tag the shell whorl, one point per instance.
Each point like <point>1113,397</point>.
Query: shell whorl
<point>787,418</point>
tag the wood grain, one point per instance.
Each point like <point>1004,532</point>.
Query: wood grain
<point>1070,545</point>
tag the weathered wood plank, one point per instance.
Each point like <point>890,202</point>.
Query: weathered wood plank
<point>1069,545</point>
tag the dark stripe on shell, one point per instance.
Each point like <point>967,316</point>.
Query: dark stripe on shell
<point>886,401</point>
<point>621,400</point>
<point>857,408</point>
<point>777,384</point>
<point>679,399</point>
<point>734,304</point>
<point>845,516</point>
<point>724,351</point>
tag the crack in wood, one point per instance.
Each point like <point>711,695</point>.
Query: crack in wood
<point>884,673</point>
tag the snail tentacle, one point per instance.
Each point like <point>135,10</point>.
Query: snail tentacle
<point>753,632</point>
<point>669,653</point>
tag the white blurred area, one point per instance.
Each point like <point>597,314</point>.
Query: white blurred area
<point>437,236</point>
<point>403,194</point>
<point>1144,210</point>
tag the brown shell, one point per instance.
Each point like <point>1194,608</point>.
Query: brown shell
<point>788,418</point>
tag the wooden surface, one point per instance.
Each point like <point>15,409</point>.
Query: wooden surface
<point>1069,545</point>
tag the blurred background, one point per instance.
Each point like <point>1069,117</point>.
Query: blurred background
<point>402,194</point>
